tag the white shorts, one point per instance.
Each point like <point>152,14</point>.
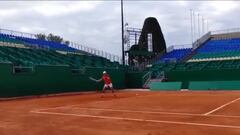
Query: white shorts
<point>108,85</point>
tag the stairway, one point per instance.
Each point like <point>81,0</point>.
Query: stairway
<point>159,78</point>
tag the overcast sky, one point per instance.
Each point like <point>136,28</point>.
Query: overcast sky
<point>97,23</point>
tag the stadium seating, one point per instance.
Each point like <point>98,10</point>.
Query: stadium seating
<point>218,49</point>
<point>190,66</point>
<point>35,42</point>
<point>30,57</point>
<point>9,39</point>
<point>175,55</point>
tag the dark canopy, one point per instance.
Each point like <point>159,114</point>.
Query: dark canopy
<point>152,26</point>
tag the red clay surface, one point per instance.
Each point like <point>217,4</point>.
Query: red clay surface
<point>147,113</point>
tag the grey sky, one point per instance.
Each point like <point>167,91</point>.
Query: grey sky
<point>97,23</point>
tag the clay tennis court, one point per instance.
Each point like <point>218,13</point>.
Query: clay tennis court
<point>131,113</point>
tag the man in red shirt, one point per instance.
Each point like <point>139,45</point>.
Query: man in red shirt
<point>107,83</point>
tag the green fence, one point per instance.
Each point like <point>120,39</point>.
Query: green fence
<point>53,79</point>
<point>165,86</point>
<point>215,85</point>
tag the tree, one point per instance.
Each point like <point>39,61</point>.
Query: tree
<point>54,38</point>
<point>66,42</point>
<point>41,36</point>
<point>51,37</point>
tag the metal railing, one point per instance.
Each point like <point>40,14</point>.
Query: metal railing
<point>17,33</point>
<point>201,40</point>
<point>170,48</point>
<point>77,46</point>
<point>21,69</point>
<point>96,52</point>
<point>226,31</point>
<point>173,47</point>
<point>146,78</point>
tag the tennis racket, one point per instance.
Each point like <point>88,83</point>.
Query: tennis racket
<point>93,79</point>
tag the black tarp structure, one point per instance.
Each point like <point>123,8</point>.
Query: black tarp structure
<point>150,26</point>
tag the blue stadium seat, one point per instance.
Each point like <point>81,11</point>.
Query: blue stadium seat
<point>177,55</point>
<point>218,49</point>
<point>39,43</point>
<point>220,46</point>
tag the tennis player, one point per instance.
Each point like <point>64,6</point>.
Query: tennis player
<point>107,83</point>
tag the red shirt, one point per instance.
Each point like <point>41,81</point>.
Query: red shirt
<point>106,79</point>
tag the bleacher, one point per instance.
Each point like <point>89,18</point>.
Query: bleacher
<point>213,60</point>
<point>224,49</point>
<point>9,39</point>
<point>212,55</point>
<point>21,51</point>
<point>175,55</point>
<point>193,66</point>
<point>35,42</point>
<point>27,57</point>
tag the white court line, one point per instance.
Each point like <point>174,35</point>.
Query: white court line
<point>140,111</point>
<point>120,110</point>
<point>97,102</point>
<point>155,112</point>
<point>134,111</point>
<point>141,120</point>
<point>223,116</point>
<point>61,107</point>
<point>222,106</point>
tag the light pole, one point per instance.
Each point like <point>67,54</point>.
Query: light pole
<point>203,31</point>
<point>123,53</point>
<point>198,25</point>
<point>194,27</point>
<point>191,16</point>
<point>207,25</point>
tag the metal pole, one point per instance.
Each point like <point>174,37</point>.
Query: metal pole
<point>198,25</point>
<point>203,25</point>
<point>207,25</point>
<point>194,27</point>
<point>191,26</point>
<point>123,54</point>
<point>135,38</point>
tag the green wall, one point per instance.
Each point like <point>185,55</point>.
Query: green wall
<point>165,86</point>
<point>203,75</point>
<point>134,79</point>
<point>215,85</point>
<point>53,79</point>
